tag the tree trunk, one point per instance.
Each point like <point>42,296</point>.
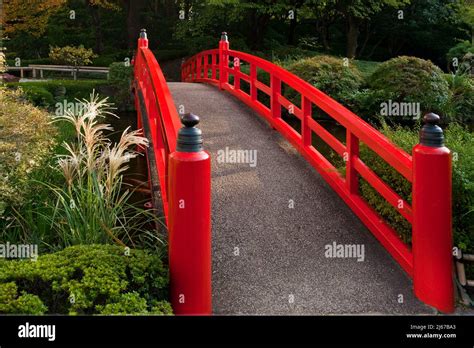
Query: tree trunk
<point>292,29</point>
<point>352,36</point>
<point>133,8</point>
<point>96,22</point>
<point>258,26</point>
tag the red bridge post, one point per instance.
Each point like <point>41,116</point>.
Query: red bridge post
<point>223,60</point>
<point>189,222</point>
<point>432,228</point>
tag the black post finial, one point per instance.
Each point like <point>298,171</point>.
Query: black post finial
<point>431,134</point>
<point>189,137</point>
<point>224,36</point>
<point>143,34</point>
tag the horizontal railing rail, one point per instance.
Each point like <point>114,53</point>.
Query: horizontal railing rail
<point>205,67</point>
<point>154,101</point>
<point>216,66</point>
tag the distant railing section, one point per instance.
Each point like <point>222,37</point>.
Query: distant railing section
<point>35,68</point>
<point>431,266</point>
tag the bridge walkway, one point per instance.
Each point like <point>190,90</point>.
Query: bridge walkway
<point>269,258</point>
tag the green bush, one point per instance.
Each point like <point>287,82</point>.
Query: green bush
<point>27,140</point>
<point>119,72</point>
<point>121,76</point>
<point>38,95</point>
<point>405,79</point>
<point>461,102</point>
<point>461,142</point>
<point>459,51</point>
<point>93,279</point>
<point>80,89</point>
<point>330,75</point>
<point>71,55</point>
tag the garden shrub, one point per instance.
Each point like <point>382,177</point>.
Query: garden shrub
<point>461,142</point>
<point>119,72</point>
<point>71,55</point>
<point>27,142</point>
<point>38,95</point>
<point>121,77</point>
<point>92,279</point>
<point>406,79</point>
<point>461,102</point>
<point>71,90</point>
<point>459,51</point>
<point>330,75</point>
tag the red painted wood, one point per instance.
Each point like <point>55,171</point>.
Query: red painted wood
<point>357,130</point>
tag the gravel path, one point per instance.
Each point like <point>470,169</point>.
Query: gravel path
<point>272,224</point>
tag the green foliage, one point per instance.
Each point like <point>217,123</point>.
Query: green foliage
<point>459,51</point>
<point>461,102</point>
<point>119,72</point>
<point>461,142</point>
<point>121,77</point>
<point>405,79</point>
<point>93,206</point>
<point>70,55</point>
<point>38,95</point>
<point>72,90</point>
<point>12,303</point>
<point>27,141</point>
<point>93,279</point>
<point>330,75</point>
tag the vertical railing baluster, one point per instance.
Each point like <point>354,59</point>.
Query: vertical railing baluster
<point>350,156</point>
<point>307,109</point>
<point>198,66</point>
<point>214,63</point>
<point>275,85</point>
<point>253,79</point>
<point>236,72</point>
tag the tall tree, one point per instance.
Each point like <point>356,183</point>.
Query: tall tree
<point>29,16</point>
<point>133,8</point>
<point>356,12</point>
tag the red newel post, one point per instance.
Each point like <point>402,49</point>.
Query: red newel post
<point>432,228</point>
<point>142,43</point>
<point>143,40</point>
<point>223,60</point>
<point>189,222</point>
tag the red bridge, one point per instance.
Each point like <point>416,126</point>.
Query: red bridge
<point>275,220</point>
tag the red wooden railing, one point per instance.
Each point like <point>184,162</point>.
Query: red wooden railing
<point>181,168</point>
<point>155,105</point>
<point>212,67</point>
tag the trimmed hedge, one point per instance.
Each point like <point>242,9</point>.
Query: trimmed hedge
<point>461,142</point>
<point>92,279</point>
<point>409,80</point>
<point>330,75</point>
<point>48,93</point>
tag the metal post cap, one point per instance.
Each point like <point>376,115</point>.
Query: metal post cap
<point>224,36</point>
<point>143,34</point>
<point>431,134</point>
<point>189,137</point>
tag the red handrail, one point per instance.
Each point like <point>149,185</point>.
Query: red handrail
<point>204,66</point>
<point>156,107</point>
<point>430,262</point>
